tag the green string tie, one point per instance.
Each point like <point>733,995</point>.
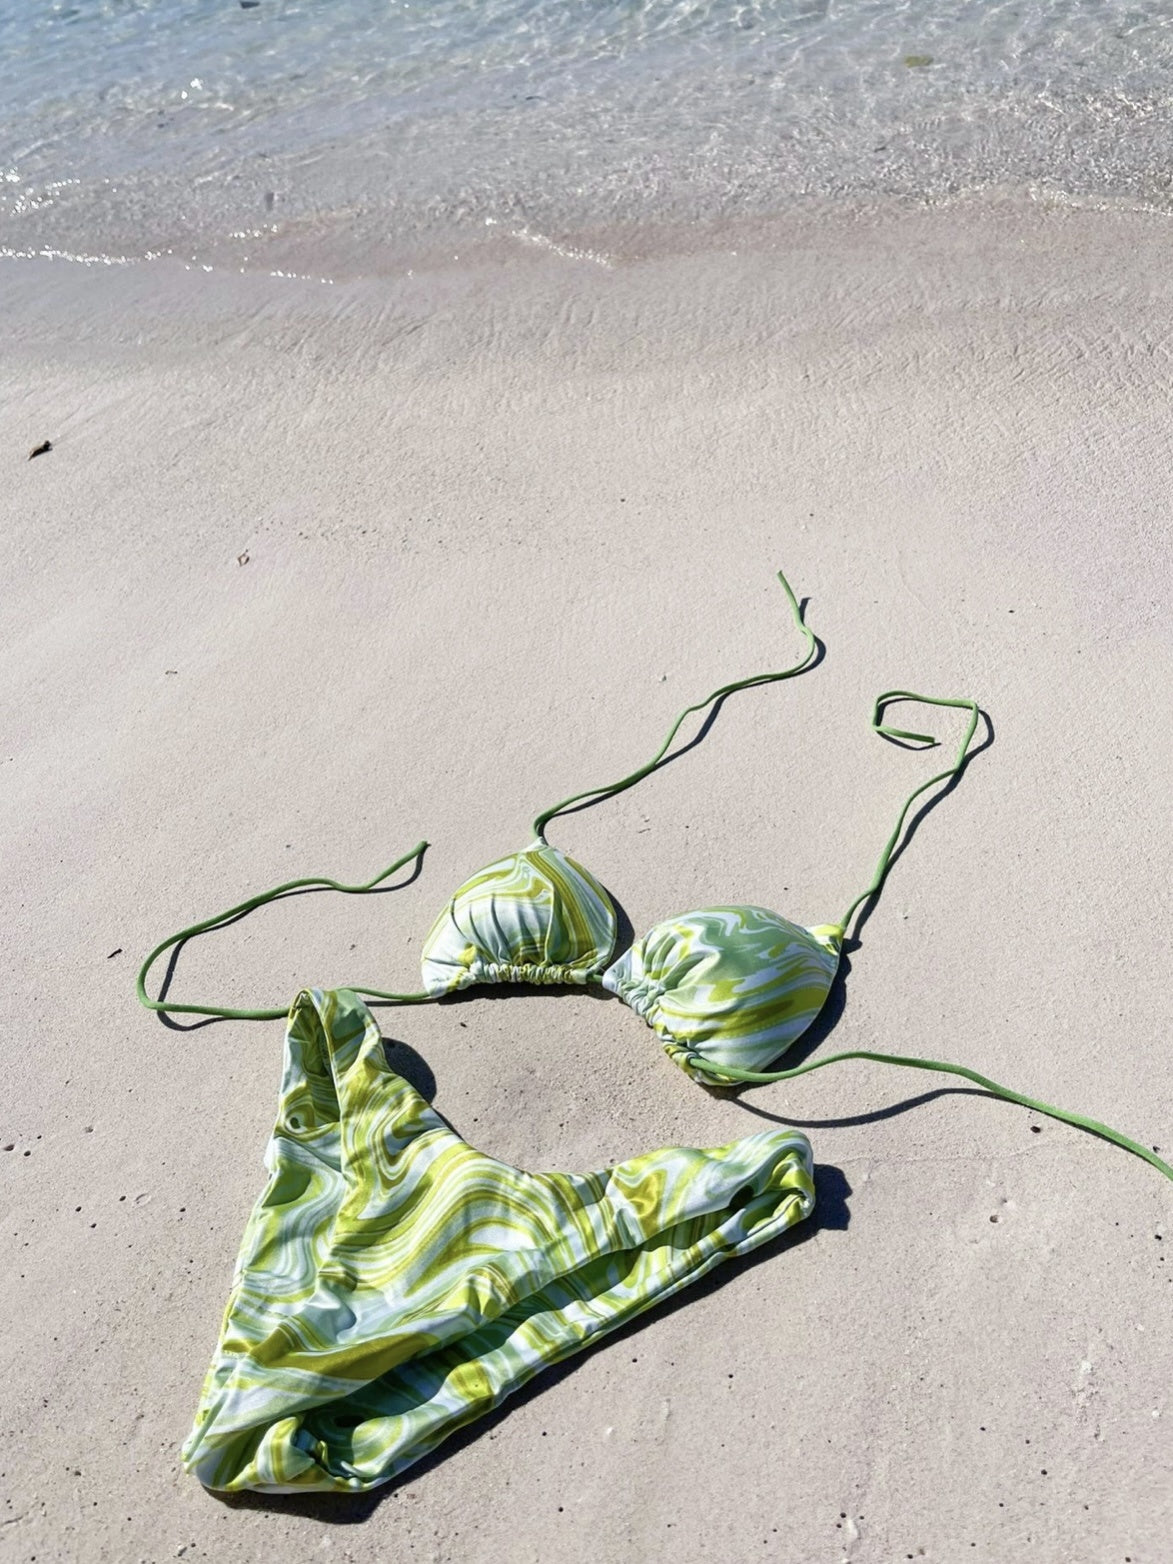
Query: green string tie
<point>752,682</point>
<point>927,741</point>
<point>277,1013</point>
<point>733,1076</point>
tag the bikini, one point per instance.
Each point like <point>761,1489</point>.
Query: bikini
<point>727,989</point>
<point>393,1283</point>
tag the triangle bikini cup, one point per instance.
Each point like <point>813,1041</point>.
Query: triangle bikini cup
<point>727,989</point>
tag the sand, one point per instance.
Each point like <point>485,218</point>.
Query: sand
<point>315,570</point>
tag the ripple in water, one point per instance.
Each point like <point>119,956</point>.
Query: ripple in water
<point>235,128</point>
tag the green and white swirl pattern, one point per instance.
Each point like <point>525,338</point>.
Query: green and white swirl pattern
<point>725,986</point>
<point>394,1284</point>
<point>534,917</point>
<point>730,986</point>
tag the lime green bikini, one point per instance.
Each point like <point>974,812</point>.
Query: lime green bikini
<point>394,1283</point>
<point>727,989</point>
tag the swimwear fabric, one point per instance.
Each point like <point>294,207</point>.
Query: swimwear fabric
<point>724,986</point>
<point>727,989</point>
<point>394,1284</point>
<point>727,986</point>
<point>534,917</point>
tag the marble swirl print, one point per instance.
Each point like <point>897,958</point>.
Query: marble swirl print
<point>394,1284</point>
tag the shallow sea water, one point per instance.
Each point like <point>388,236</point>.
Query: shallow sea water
<point>131,127</point>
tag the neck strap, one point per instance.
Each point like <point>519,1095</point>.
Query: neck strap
<point>924,741</point>
<point>1079,1120</point>
<point>221,918</point>
<point>624,783</point>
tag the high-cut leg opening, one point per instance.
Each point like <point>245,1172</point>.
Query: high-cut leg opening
<point>349,1439</point>
<point>394,1283</point>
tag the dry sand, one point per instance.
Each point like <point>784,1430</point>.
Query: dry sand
<point>502,520</point>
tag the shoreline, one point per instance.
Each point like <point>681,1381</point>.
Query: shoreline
<point>352,247</point>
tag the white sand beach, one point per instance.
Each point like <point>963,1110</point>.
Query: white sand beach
<point>315,570</point>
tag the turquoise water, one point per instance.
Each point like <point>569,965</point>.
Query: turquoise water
<point>134,126</point>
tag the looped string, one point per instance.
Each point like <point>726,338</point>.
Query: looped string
<point>926,741</point>
<point>250,905</point>
<point>1079,1120</point>
<point>752,682</point>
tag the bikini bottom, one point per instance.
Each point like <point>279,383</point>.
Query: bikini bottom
<point>394,1284</point>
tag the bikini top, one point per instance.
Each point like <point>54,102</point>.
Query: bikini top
<point>727,989</point>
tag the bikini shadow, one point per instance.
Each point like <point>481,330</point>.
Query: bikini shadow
<point>414,1068</point>
<point>831,1215</point>
<point>308,890</point>
<point>892,1111</point>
